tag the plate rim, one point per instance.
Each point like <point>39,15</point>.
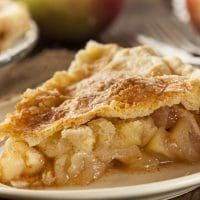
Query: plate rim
<point>141,190</point>
<point>22,47</point>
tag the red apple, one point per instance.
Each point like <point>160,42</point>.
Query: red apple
<point>194,10</point>
<point>73,20</point>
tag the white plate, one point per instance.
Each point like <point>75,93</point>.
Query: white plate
<point>116,186</point>
<point>21,48</point>
<point>152,191</point>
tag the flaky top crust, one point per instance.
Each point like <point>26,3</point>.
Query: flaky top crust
<point>103,81</point>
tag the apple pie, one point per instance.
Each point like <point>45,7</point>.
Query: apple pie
<point>115,107</point>
<point>14,22</point>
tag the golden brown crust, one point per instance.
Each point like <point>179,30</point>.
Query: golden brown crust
<point>141,60</point>
<point>109,89</point>
<point>103,95</point>
<point>96,57</point>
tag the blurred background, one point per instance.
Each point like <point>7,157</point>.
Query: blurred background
<point>70,24</point>
<point>64,26</point>
<point>61,27</point>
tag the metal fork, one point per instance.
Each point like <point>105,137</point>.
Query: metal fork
<point>175,33</point>
<point>171,36</point>
<point>168,50</point>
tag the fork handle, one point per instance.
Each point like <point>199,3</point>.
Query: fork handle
<point>192,60</point>
<point>168,50</point>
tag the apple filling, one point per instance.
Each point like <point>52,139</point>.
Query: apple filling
<point>79,155</point>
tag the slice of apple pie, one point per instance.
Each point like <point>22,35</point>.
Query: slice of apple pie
<point>115,107</point>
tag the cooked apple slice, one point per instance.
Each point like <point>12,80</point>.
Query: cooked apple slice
<point>159,144</point>
<point>180,140</point>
